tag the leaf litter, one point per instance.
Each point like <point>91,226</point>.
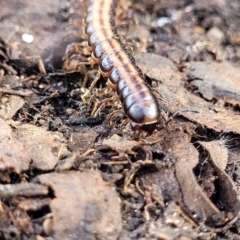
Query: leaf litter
<point>68,175</point>
<point>86,210</point>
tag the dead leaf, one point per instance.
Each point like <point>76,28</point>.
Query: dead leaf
<point>195,201</point>
<point>226,191</point>
<point>199,206</point>
<point>11,81</point>
<point>176,97</point>
<point>33,204</point>
<point>81,142</point>
<point>42,146</point>
<point>179,184</point>
<point>164,184</point>
<point>216,80</point>
<point>119,144</point>
<point>218,152</point>
<point>9,105</point>
<point>84,206</point>
<point>12,152</point>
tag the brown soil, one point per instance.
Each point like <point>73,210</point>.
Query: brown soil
<point>69,174</point>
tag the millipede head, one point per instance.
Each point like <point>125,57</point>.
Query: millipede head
<point>149,128</point>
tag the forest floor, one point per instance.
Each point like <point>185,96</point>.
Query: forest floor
<point>69,175</point>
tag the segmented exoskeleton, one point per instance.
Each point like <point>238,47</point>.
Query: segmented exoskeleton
<point>118,66</point>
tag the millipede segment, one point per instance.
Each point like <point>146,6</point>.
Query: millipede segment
<point>118,67</point>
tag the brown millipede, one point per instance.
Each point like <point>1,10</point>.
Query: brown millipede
<point>118,66</point>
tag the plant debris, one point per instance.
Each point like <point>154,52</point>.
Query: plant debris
<point>69,174</point>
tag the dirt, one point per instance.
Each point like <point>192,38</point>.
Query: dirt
<point>71,172</point>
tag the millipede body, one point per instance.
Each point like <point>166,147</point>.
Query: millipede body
<point>118,66</point>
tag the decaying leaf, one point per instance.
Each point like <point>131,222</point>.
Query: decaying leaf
<point>216,80</point>
<point>179,183</point>
<point>9,105</point>
<point>200,207</point>
<point>12,152</point>
<point>218,153</point>
<point>81,142</point>
<point>11,81</point>
<point>177,97</point>
<point>164,184</point>
<point>120,144</point>
<point>226,192</point>
<point>33,204</point>
<point>41,146</point>
<point>85,206</point>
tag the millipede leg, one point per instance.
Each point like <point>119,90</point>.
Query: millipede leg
<point>74,64</point>
<point>74,57</point>
<point>85,96</point>
<point>114,114</point>
<point>95,81</point>
<point>74,47</point>
<point>124,123</point>
<point>106,102</point>
<point>85,81</point>
<point>99,93</point>
<point>75,23</point>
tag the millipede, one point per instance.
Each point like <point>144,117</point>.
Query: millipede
<point>118,67</point>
